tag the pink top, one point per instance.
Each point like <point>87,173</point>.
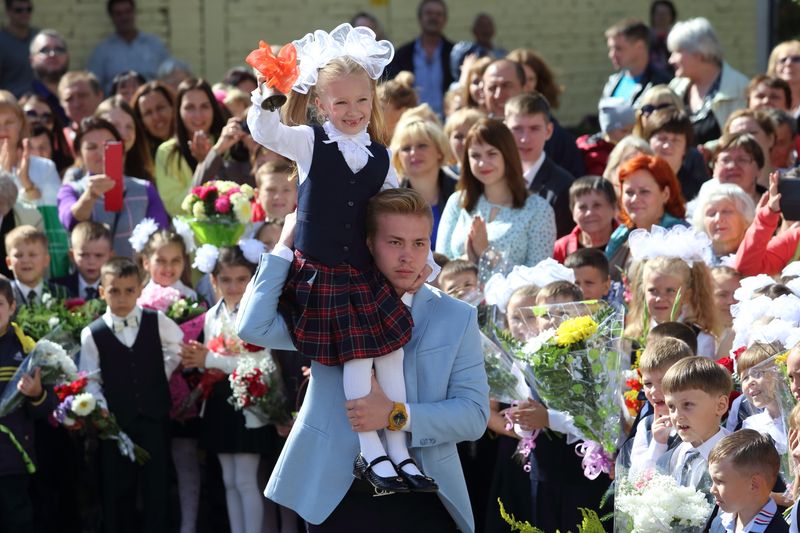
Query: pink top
<point>760,252</point>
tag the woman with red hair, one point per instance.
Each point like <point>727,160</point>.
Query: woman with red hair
<point>649,194</point>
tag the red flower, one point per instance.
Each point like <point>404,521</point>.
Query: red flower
<point>217,344</point>
<point>223,205</point>
<point>257,389</point>
<point>73,303</point>
<point>727,362</point>
<point>633,384</point>
<point>258,212</point>
<point>205,191</point>
<point>739,351</point>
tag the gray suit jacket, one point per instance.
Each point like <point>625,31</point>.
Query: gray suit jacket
<point>446,388</point>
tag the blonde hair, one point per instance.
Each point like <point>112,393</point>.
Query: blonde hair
<point>398,201</point>
<point>757,353</point>
<point>794,417</point>
<point>655,95</point>
<point>399,92</point>
<point>615,158</point>
<point>25,235</point>
<point>9,103</point>
<point>698,308</point>
<point>463,118</point>
<point>414,130</point>
<point>662,353</point>
<point>295,112</point>
<point>779,50</point>
<point>476,69</point>
<point>421,112</point>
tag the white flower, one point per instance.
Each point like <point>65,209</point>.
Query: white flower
<point>199,210</point>
<point>247,190</point>
<point>47,299</point>
<point>68,421</point>
<point>535,344</point>
<point>243,211</point>
<point>205,258</point>
<point>83,404</point>
<point>252,249</point>
<point>794,285</point>
<point>186,233</point>
<point>141,233</point>
<point>186,205</point>
<point>53,321</point>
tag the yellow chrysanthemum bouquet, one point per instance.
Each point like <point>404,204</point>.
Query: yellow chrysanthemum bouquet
<point>574,366</point>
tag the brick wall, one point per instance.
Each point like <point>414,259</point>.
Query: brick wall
<point>213,34</point>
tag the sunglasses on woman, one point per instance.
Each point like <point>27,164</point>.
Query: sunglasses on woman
<point>649,109</point>
<point>33,116</point>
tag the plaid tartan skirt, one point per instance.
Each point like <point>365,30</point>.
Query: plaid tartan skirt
<point>340,313</point>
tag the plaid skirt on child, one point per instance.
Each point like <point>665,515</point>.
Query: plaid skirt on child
<point>340,313</point>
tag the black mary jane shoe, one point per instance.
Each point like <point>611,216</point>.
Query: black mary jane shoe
<point>416,482</point>
<point>383,485</point>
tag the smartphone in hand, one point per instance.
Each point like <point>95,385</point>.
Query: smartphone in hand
<point>113,161</point>
<point>790,197</point>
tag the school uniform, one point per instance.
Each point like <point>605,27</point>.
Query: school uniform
<point>689,465</point>
<point>16,508</point>
<point>77,287</point>
<point>223,427</point>
<point>768,520</point>
<point>135,356</point>
<point>25,295</point>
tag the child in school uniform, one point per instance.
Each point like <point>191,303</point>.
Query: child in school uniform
<point>28,259</point>
<point>696,393</point>
<point>743,468</point>
<point>91,246</point>
<point>17,456</point>
<point>132,352</point>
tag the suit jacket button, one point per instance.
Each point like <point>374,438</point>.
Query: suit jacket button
<point>346,248</point>
<point>350,203</point>
<point>347,226</point>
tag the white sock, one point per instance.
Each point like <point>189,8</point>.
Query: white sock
<point>245,505</point>
<point>390,376</point>
<point>357,381</point>
<point>187,468</point>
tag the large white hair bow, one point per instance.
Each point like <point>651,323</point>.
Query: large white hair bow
<point>499,288</point>
<point>678,241</point>
<point>315,50</point>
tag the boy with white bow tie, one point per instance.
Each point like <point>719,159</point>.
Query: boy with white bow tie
<point>132,352</point>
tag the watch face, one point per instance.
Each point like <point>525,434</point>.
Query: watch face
<point>399,418</point>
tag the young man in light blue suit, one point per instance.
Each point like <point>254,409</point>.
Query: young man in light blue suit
<point>447,391</point>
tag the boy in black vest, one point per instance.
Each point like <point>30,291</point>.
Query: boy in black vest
<point>16,428</point>
<point>135,351</point>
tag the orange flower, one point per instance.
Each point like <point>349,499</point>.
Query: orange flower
<point>280,71</point>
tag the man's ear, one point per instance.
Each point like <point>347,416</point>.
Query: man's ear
<point>370,245</point>
<point>549,130</point>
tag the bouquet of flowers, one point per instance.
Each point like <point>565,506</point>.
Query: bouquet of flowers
<point>774,420</point>
<point>218,211</point>
<point>257,391</point>
<point>655,503</point>
<point>633,387</point>
<point>71,315</point>
<point>189,314</point>
<point>79,411</point>
<point>55,363</point>
<point>574,365</point>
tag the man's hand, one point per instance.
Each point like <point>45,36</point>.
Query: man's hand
<point>662,426</point>
<point>371,412</point>
<point>31,386</point>
<point>530,415</point>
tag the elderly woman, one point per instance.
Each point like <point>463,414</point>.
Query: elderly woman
<point>723,213</point>
<point>760,252</point>
<point>24,214</point>
<point>36,178</point>
<point>83,199</point>
<point>710,88</point>
<point>739,160</point>
<point>650,195</point>
<point>420,151</point>
<point>784,62</point>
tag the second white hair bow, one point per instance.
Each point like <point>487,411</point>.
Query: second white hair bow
<point>315,50</point>
<point>678,241</point>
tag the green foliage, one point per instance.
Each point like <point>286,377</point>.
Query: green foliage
<point>590,523</point>
<point>41,318</point>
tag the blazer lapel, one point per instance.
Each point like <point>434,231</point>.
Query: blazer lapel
<point>421,309</point>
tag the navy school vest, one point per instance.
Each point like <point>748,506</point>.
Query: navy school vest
<point>332,204</point>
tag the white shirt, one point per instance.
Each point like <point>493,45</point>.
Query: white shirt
<point>25,290</point>
<point>530,174</point>
<point>727,521</point>
<point>679,457</point>
<point>772,427</point>
<point>169,332</point>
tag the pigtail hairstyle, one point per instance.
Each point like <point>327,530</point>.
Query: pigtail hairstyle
<point>702,301</point>
<point>296,110</point>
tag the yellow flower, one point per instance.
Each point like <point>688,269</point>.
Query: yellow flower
<point>199,210</point>
<point>781,359</point>
<point>243,211</point>
<point>186,205</point>
<point>247,190</point>
<point>575,330</point>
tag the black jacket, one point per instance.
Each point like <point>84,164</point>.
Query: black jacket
<point>562,149</point>
<point>552,183</point>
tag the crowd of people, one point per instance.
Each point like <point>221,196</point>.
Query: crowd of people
<point>692,158</point>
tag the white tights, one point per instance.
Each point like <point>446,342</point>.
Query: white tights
<point>357,380</point>
<point>187,468</point>
<point>245,503</point>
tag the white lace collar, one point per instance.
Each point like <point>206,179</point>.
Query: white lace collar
<point>353,147</point>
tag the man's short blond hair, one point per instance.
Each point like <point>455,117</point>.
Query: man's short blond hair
<point>399,201</point>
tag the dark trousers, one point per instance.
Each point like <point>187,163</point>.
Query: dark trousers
<point>361,512</point>
<point>124,480</point>
<point>16,509</point>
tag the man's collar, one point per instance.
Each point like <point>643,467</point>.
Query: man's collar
<point>530,174</point>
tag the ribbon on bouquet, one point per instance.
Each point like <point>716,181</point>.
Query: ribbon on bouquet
<point>595,460</point>
<point>528,438</point>
<point>29,466</point>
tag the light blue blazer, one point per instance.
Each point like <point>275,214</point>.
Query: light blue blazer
<point>446,389</point>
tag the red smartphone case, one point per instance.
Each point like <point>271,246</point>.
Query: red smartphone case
<point>113,169</point>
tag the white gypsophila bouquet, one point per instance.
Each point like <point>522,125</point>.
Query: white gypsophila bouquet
<point>656,503</point>
<point>257,391</point>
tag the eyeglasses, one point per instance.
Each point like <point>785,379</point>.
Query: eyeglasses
<point>789,59</point>
<point>34,116</point>
<point>737,161</point>
<point>22,9</point>
<point>648,109</point>
<point>53,50</point>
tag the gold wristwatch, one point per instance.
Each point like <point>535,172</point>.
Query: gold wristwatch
<point>398,417</point>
